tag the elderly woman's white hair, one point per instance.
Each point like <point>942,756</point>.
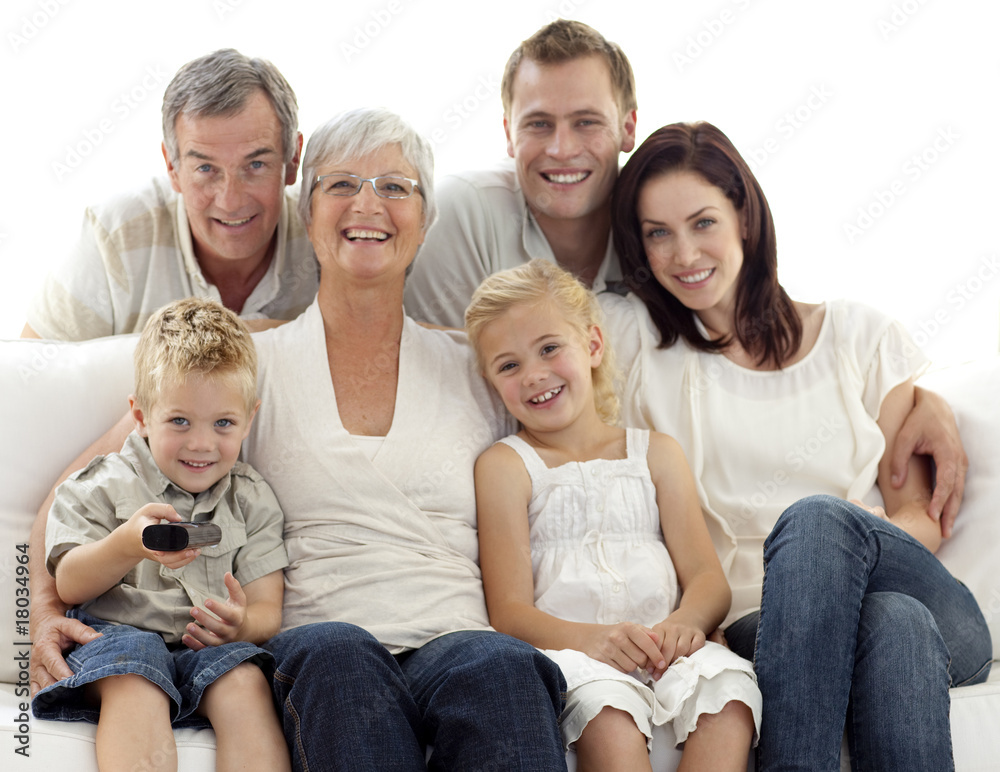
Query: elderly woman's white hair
<point>357,133</point>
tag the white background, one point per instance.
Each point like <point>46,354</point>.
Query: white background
<point>870,123</point>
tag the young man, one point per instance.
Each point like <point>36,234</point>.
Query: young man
<point>569,111</point>
<point>223,227</point>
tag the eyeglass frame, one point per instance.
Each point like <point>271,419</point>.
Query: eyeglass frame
<point>363,180</point>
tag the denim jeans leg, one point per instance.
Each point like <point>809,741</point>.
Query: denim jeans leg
<point>901,658</point>
<point>489,702</point>
<point>344,702</point>
<point>825,641</point>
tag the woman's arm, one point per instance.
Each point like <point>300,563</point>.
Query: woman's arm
<point>52,632</point>
<point>930,429</point>
<point>906,505</point>
<point>705,593</point>
<point>503,490</point>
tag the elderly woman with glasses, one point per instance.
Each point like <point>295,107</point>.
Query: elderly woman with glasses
<point>369,434</point>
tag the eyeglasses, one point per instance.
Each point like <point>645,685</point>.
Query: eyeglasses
<point>350,185</point>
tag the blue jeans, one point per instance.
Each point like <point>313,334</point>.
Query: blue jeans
<point>485,701</point>
<point>860,627</point>
<point>184,674</point>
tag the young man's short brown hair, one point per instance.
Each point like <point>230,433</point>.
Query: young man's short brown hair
<point>562,41</point>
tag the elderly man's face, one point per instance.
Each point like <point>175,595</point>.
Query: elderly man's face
<point>232,176</point>
<point>565,133</point>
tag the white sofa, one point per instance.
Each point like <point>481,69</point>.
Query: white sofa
<point>55,398</point>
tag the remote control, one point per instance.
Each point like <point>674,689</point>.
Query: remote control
<point>172,537</point>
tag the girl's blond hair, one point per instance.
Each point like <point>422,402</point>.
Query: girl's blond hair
<point>533,282</point>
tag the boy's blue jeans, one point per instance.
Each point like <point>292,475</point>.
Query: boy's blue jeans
<point>485,701</point>
<point>860,627</point>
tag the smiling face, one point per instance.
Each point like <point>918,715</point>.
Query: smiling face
<point>541,366</point>
<point>195,429</point>
<point>693,238</point>
<point>565,133</point>
<point>231,174</point>
<point>364,236</point>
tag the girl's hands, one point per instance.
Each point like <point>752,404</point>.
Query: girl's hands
<point>678,639</point>
<point>218,623</point>
<point>877,511</point>
<point>152,514</point>
<point>625,646</point>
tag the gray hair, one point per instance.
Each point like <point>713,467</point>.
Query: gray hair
<point>357,133</point>
<point>221,83</point>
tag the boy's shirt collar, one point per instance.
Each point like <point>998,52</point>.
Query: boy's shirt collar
<point>188,505</point>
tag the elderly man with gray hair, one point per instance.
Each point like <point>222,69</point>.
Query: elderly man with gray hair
<point>222,225</point>
<point>373,426</point>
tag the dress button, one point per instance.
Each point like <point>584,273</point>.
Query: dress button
<point>617,587</point>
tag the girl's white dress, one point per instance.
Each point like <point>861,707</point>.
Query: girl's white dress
<point>598,556</point>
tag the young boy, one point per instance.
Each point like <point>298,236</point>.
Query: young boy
<point>153,666</point>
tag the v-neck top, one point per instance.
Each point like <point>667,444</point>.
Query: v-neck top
<point>388,543</point>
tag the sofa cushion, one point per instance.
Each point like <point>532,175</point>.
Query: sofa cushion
<point>55,399</point>
<point>973,552</point>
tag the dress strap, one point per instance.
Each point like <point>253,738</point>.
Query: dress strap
<point>636,443</point>
<point>532,461</point>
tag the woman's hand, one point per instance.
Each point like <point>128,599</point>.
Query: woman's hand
<point>677,639</point>
<point>930,429</point>
<point>877,511</point>
<point>218,623</point>
<point>53,633</point>
<point>625,646</point>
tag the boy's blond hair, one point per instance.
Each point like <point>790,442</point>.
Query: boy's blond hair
<point>543,281</point>
<point>194,335</point>
<point>562,41</point>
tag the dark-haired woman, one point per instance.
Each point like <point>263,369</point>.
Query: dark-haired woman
<point>786,411</point>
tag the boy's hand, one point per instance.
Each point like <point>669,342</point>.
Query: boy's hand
<point>222,622</point>
<point>625,646</point>
<point>678,639</point>
<point>153,514</point>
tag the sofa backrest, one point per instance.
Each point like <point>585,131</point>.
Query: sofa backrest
<point>57,398</point>
<point>973,552</point>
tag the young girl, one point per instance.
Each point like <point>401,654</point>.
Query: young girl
<point>787,410</point>
<point>592,542</point>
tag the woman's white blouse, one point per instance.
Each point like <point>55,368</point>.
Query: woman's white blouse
<point>759,441</point>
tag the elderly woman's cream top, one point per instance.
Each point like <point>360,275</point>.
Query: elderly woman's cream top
<point>759,441</point>
<point>390,543</point>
